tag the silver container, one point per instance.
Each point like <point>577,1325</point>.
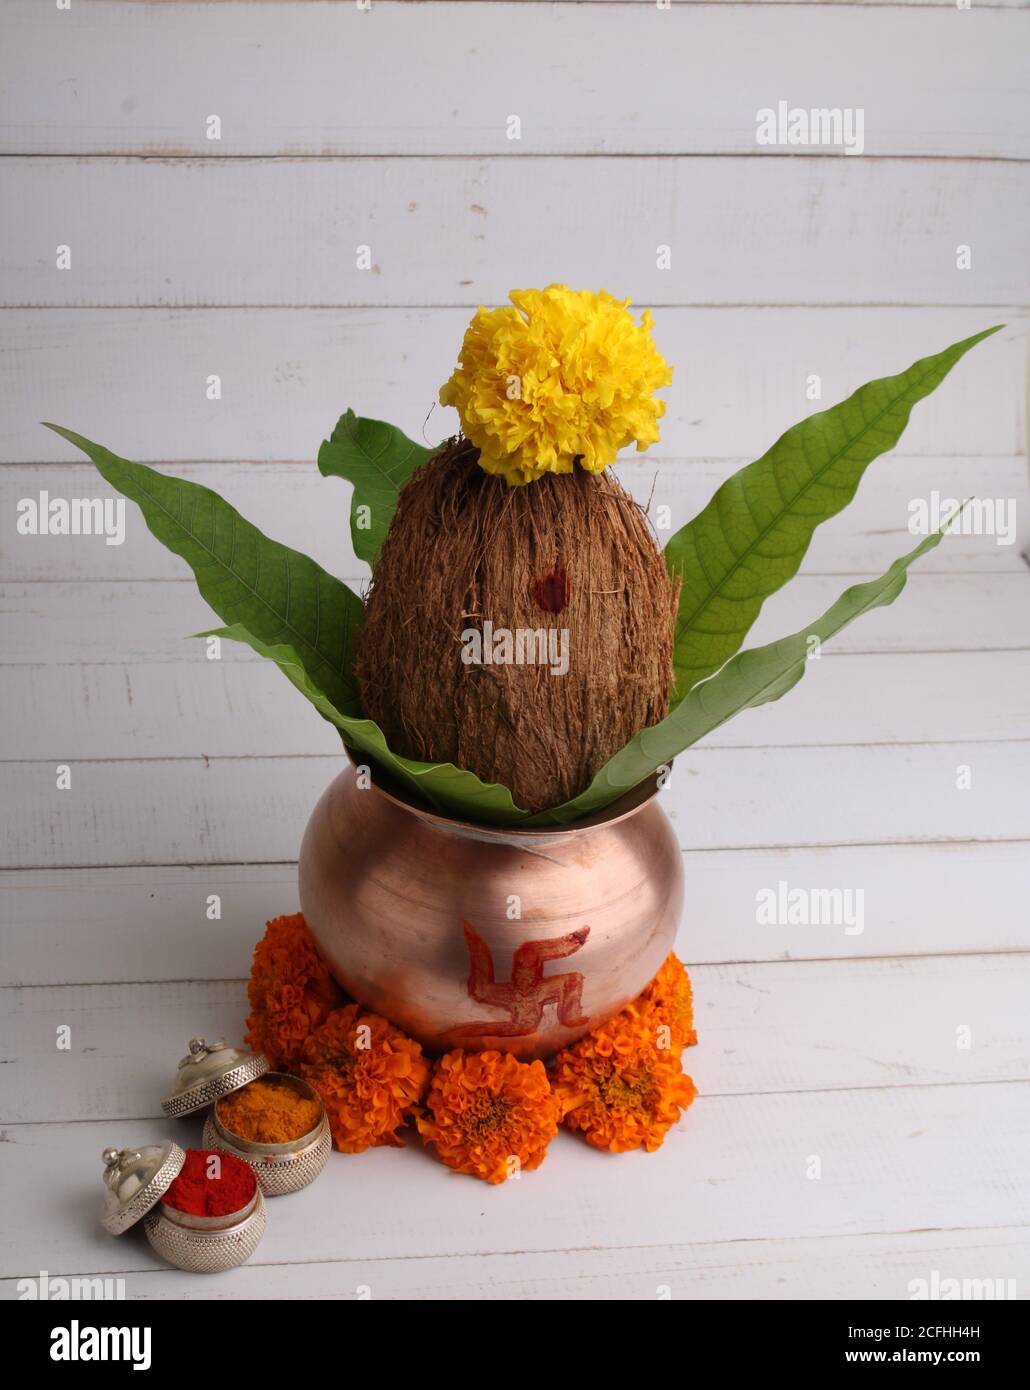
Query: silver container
<point>136,1180</point>
<point>280,1168</point>
<point>211,1071</point>
<point>206,1244</point>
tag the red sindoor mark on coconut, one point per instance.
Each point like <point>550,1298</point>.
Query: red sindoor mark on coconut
<point>528,993</point>
<point>553,589</point>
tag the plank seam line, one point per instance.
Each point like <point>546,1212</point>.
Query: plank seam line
<point>1016,307</point>
<point>695,965</point>
<point>702,1096</point>
<point>968,571</point>
<point>335,309</point>
<point>184,155</point>
<point>957,1085</point>
<point>658,462</point>
<point>1007,306</point>
<point>203,865</point>
<point>1015,572</point>
<point>219,758</point>
<point>207,864</point>
<point>886,1235</point>
<point>247,661</point>
<point>613,5</point>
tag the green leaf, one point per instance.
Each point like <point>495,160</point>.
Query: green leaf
<point>275,592</point>
<point>287,608</point>
<point>451,789</point>
<point>753,534</point>
<point>378,459</point>
<point>751,678</point>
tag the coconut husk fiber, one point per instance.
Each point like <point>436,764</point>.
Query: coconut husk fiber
<point>568,552</point>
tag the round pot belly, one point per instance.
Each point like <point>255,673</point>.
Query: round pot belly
<point>465,936</point>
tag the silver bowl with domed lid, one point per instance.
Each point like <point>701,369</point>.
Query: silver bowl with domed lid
<point>136,1182</point>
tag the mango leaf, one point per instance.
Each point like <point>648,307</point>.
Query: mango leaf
<point>449,788</point>
<point>751,678</point>
<point>378,459</point>
<point>288,608</point>
<point>753,534</point>
<point>278,593</point>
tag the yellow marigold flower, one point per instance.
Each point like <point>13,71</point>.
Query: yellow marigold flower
<point>618,1088</point>
<point>564,377</point>
<point>369,1075</point>
<point>290,991</point>
<point>669,1003</point>
<point>486,1109</point>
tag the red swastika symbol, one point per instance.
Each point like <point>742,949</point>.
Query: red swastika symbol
<point>525,996</point>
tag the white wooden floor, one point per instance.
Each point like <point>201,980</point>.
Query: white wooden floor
<point>844,1141</point>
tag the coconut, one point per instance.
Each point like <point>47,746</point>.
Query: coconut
<point>523,633</point>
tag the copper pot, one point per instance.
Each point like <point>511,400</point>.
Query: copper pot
<point>467,936</point>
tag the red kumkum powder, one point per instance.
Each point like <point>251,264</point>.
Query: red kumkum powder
<point>197,1194</point>
<point>552,590</point>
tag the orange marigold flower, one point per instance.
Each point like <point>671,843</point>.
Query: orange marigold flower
<point>485,1109</point>
<point>291,991</point>
<point>368,1074</point>
<point>619,1088</point>
<point>669,1001</point>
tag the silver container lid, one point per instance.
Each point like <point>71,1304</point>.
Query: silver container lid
<point>136,1180</point>
<point>210,1071</point>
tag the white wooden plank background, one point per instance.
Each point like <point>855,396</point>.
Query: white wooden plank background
<point>125,78</point>
<point>192,257</point>
<point>150,621</point>
<point>741,377</point>
<point>185,232</point>
<point>875,1023</point>
<point>861,541</point>
<point>919,900</point>
<point>836,1267</point>
<point>230,810</point>
<point>925,1150</point>
<point>242,709</point>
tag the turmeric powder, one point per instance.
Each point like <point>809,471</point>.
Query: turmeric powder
<point>269,1112</point>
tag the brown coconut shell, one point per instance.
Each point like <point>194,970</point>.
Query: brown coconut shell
<point>572,552</point>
